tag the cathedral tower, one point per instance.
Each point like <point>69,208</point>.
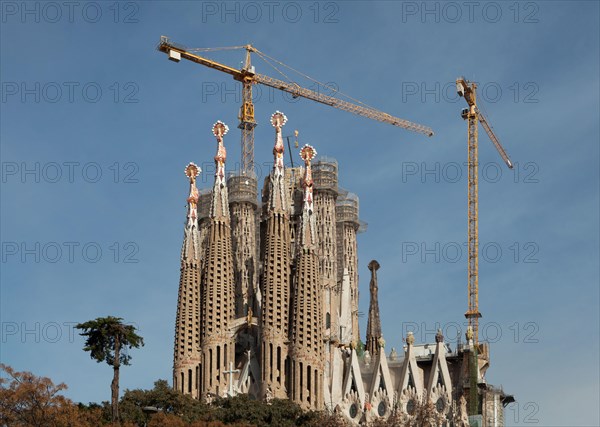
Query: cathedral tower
<point>242,202</point>
<point>218,302</point>
<point>276,276</point>
<point>348,225</point>
<point>306,323</point>
<point>186,358</point>
<point>325,172</point>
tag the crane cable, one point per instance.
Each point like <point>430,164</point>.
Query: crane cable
<point>260,54</point>
<point>213,49</point>
<point>309,78</point>
<point>264,57</point>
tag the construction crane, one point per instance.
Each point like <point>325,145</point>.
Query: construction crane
<point>473,115</point>
<point>248,77</point>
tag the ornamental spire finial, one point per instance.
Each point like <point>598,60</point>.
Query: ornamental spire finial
<point>277,196</point>
<point>278,120</point>
<point>220,205</point>
<point>219,130</point>
<point>308,222</point>
<point>190,251</point>
<point>192,171</point>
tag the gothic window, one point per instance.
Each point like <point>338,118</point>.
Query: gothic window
<point>353,410</point>
<point>440,405</point>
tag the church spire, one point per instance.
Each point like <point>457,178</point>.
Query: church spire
<point>187,323</point>
<point>308,227</point>
<point>219,209</point>
<point>306,327</point>
<point>374,323</point>
<point>275,286</point>
<point>217,284</point>
<point>277,196</point>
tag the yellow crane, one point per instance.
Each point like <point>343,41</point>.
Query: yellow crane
<point>248,77</point>
<point>473,115</point>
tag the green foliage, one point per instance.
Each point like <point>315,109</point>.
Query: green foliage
<point>165,399</point>
<point>282,413</point>
<point>241,411</point>
<point>473,390</point>
<point>104,333</point>
<point>27,400</point>
<point>360,348</point>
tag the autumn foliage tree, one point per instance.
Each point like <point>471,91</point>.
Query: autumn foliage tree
<point>27,400</point>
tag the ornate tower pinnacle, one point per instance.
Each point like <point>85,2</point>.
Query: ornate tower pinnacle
<point>307,352</point>
<point>187,324</point>
<point>277,196</point>
<point>374,323</point>
<point>191,242</point>
<point>278,120</point>
<point>218,302</point>
<point>219,209</point>
<point>192,171</point>
<point>276,276</point>
<point>308,227</point>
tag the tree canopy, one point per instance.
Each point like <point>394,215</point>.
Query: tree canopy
<point>104,334</point>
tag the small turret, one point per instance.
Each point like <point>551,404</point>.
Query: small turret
<point>374,323</point>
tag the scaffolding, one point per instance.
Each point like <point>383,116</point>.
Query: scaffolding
<point>325,174</point>
<point>242,188</point>
<point>204,202</point>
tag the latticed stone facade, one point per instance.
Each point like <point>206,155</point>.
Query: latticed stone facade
<point>243,203</point>
<point>268,305</point>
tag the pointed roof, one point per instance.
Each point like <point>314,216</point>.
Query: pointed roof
<point>190,250</point>
<point>219,209</point>
<point>440,373</point>
<point>410,370</point>
<point>381,376</point>
<point>353,378</point>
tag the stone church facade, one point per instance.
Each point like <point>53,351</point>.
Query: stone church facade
<point>268,305</point>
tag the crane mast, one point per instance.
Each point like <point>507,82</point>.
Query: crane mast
<point>246,117</point>
<point>474,116</point>
<point>248,77</point>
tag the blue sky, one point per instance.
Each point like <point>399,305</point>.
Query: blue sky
<point>105,125</point>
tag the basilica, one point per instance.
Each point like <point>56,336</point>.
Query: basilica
<point>268,304</point>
